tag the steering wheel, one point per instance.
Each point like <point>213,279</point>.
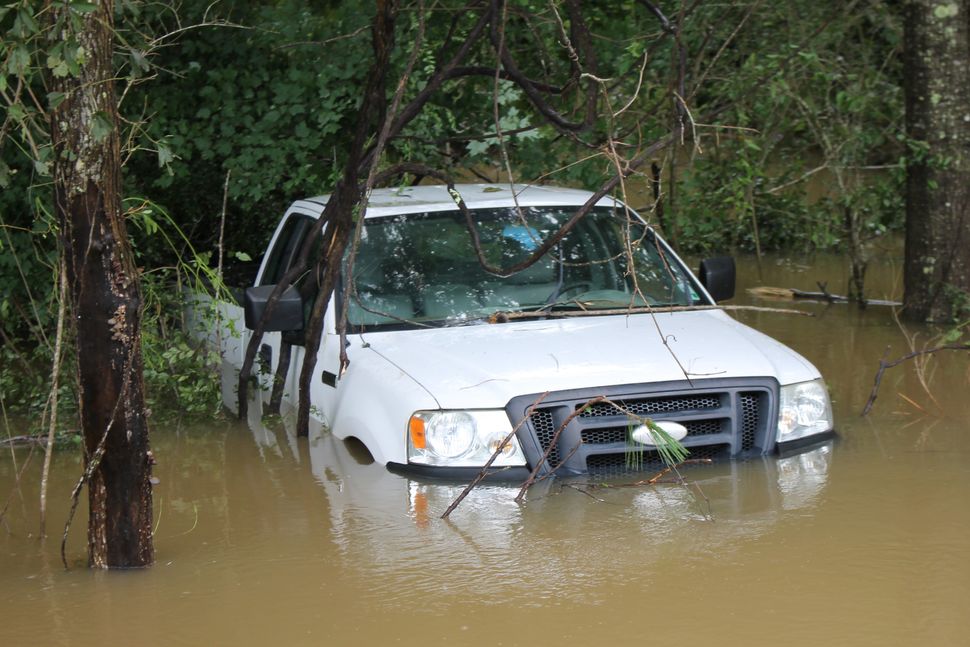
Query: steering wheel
<point>579,287</point>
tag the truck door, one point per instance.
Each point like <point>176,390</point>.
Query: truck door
<point>281,258</point>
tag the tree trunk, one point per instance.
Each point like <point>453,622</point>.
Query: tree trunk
<point>105,295</point>
<point>937,267</point>
<point>347,196</point>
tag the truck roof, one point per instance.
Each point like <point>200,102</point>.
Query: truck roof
<point>435,197</point>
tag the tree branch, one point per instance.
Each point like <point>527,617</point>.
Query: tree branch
<point>883,365</point>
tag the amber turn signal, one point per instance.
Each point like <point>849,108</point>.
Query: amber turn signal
<point>416,429</point>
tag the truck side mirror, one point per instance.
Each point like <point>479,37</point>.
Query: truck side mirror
<point>718,277</point>
<point>287,314</point>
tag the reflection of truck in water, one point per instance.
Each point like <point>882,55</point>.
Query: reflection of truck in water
<point>388,529</point>
<point>447,357</point>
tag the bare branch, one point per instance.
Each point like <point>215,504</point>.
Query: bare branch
<point>481,70</point>
<point>883,365</point>
<point>665,23</point>
<point>531,91</point>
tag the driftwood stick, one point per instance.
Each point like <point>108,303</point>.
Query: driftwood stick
<point>15,441</point>
<point>501,317</point>
<point>667,470</point>
<point>883,365</point>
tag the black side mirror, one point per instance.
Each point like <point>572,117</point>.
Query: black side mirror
<point>718,277</point>
<point>287,314</point>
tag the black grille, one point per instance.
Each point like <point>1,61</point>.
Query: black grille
<point>545,429</point>
<point>750,420</point>
<point>707,427</point>
<point>648,460</point>
<point>723,418</point>
<point>608,435</point>
<point>605,436</point>
<point>651,406</point>
<point>624,462</point>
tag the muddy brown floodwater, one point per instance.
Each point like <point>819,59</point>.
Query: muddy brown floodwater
<point>265,539</point>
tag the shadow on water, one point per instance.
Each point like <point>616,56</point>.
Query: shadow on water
<point>263,537</point>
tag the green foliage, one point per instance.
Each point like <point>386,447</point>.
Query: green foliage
<point>181,378</point>
<point>670,451</point>
<point>960,304</point>
<point>24,381</point>
<point>818,151</point>
<point>805,85</point>
<point>268,100</point>
<point>28,306</point>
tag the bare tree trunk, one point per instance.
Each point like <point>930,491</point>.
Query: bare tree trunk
<point>347,195</point>
<point>105,294</point>
<point>858,258</point>
<point>937,268</point>
<point>279,378</point>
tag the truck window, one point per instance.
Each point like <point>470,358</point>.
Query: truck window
<point>423,267</point>
<point>287,248</point>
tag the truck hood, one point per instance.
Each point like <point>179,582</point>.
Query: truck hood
<point>484,366</point>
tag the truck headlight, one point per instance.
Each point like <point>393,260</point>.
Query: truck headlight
<point>804,410</point>
<point>461,439</point>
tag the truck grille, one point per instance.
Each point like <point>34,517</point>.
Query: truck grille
<point>724,419</point>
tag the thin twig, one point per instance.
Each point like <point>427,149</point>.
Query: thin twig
<point>221,248</point>
<point>883,365</point>
<point>671,468</point>
<point>76,493</point>
<point>55,388</point>
<point>582,491</point>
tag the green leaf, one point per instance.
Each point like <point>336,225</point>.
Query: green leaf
<point>25,25</point>
<point>101,126</point>
<point>42,168</point>
<point>147,221</point>
<point>55,99</point>
<point>139,62</point>
<point>952,336</point>
<point>946,11</point>
<point>18,63</point>
<point>16,112</point>
<point>165,155</point>
<point>83,7</point>
<point>60,70</point>
<point>242,256</point>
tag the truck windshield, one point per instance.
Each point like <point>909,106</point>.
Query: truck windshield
<point>423,269</point>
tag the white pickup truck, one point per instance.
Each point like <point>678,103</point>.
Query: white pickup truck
<point>447,358</point>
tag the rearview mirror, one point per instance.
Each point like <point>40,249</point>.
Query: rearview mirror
<point>718,276</point>
<point>287,314</point>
